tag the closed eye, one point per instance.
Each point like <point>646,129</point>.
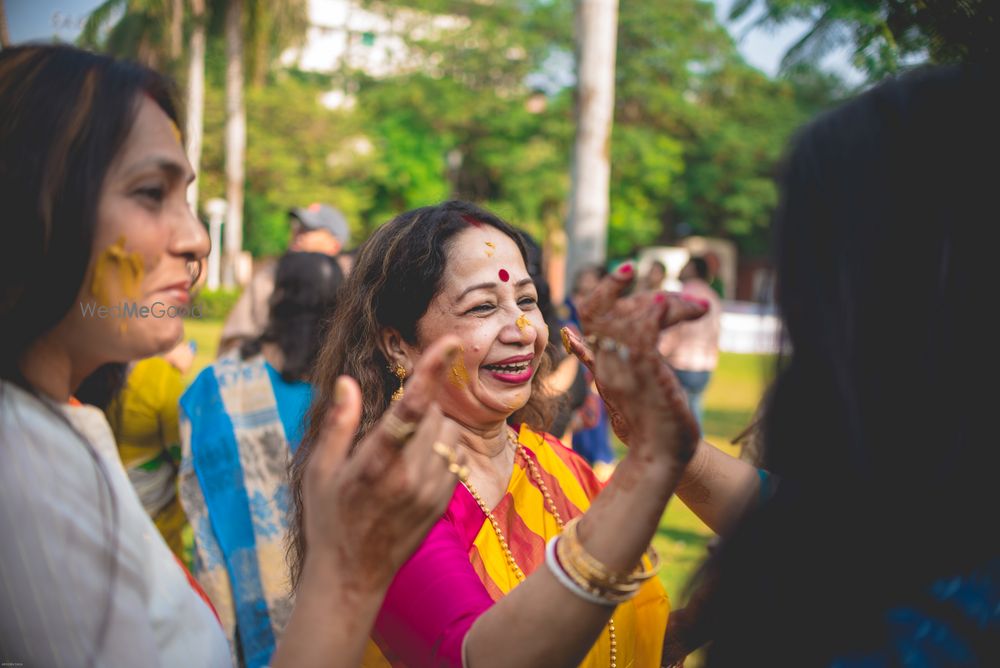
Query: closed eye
<point>482,308</point>
<point>152,193</point>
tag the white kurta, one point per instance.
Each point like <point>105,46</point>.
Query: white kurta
<point>65,567</point>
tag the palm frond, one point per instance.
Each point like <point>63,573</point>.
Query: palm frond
<point>825,35</point>
<point>91,36</point>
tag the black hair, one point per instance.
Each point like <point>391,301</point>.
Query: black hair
<point>102,386</point>
<point>306,286</point>
<point>700,266</point>
<point>882,443</point>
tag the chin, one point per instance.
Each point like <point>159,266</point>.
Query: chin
<point>149,343</point>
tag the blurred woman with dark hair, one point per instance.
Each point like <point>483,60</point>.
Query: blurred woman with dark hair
<point>241,419</point>
<point>99,255</point>
<point>874,548</point>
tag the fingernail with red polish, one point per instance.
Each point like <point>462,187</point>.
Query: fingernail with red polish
<point>695,300</point>
<point>625,269</point>
<point>660,298</point>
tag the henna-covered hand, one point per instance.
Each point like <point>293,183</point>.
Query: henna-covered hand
<point>645,401</point>
<point>605,313</point>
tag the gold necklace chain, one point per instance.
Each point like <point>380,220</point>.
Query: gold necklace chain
<point>550,502</point>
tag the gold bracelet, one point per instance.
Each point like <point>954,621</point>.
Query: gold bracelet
<point>599,573</point>
<point>568,563</point>
<point>594,576</point>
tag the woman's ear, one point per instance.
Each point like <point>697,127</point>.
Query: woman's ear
<point>396,350</point>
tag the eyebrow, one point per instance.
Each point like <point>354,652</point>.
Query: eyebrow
<point>173,168</point>
<point>489,286</point>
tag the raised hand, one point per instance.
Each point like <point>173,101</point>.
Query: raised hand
<point>648,403</point>
<point>606,314</point>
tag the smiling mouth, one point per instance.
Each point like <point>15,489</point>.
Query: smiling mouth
<point>516,368</point>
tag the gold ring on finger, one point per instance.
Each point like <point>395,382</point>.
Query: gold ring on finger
<point>462,472</point>
<point>608,345</point>
<point>399,430</point>
<point>446,452</point>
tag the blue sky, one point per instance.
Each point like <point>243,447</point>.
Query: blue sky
<point>43,19</point>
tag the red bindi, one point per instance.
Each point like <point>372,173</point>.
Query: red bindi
<point>504,276</point>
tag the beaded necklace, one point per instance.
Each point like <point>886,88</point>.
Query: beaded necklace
<point>518,573</point>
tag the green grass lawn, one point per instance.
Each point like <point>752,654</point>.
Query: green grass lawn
<point>730,400</point>
<point>205,334</point>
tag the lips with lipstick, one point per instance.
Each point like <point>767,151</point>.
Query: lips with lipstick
<point>514,370</point>
<point>179,291</point>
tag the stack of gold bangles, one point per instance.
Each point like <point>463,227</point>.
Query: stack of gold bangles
<point>587,577</point>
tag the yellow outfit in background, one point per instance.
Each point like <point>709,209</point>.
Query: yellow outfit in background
<point>144,418</point>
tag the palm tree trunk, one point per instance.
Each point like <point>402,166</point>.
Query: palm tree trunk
<point>587,227</point>
<point>4,35</point>
<point>176,28</point>
<point>236,131</point>
<point>195,96</point>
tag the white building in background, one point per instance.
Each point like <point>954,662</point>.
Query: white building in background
<point>344,36</point>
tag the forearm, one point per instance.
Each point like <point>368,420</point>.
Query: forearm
<point>717,487</point>
<point>330,623</point>
<point>552,625</point>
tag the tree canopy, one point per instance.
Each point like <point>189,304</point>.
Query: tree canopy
<point>482,109</point>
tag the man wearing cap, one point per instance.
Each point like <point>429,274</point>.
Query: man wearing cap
<point>318,228</point>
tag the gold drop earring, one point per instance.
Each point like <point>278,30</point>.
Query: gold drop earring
<point>400,373</point>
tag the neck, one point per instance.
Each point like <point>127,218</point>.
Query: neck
<point>487,443</point>
<point>48,367</point>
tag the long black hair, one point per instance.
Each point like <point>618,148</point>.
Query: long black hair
<point>306,286</point>
<point>874,425</point>
<point>64,116</point>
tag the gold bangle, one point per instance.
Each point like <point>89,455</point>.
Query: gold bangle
<point>597,573</point>
<point>569,566</point>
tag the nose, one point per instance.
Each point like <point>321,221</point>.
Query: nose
<point>520,335</point>
<point>189,238</point>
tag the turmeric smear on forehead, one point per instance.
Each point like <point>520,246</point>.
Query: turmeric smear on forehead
<point>459,375</point>
<point>117,275</point>
<point>490,248</point>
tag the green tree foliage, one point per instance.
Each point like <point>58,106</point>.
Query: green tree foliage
<point>483,110</point>
<point>298,152</point>
<point>697,131</point>
<point>884,35</point>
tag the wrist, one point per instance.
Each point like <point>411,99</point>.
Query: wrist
<point>695,468</point>
<point>338,583</point>
<point>650,467</point>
